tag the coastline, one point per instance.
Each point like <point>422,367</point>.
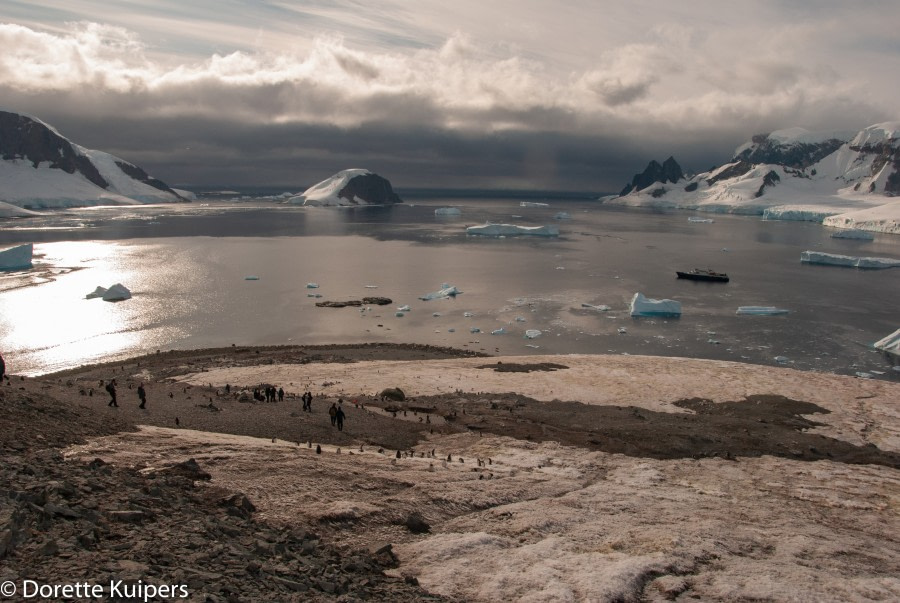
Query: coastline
<point>601,462</point>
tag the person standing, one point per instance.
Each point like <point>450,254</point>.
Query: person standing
<point>142,395</point>
<point>332,412</point>
<point>339,418</point>
<point>281,394</point>
<point>2,367</point>
<point>111,390</point>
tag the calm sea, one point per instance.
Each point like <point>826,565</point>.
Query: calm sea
<point>188,267</point>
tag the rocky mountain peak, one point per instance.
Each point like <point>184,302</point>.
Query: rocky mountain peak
<point>669,171</point>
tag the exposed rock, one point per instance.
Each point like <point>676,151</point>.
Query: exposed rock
<point>393,393</point>
<point>669,171</point>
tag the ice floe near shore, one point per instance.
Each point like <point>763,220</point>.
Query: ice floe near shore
<point>889,344</point>
<point>833,259</point>
<point>16,258</point>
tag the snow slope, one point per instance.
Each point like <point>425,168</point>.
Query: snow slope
<point>348,187</point>
<point>850,187</point>
<point>42,169</point>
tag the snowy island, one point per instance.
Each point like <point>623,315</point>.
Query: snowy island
<point>347,188</point>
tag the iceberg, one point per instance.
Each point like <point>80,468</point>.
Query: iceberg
<point>497,230</point>
<point>404,308</point>
<point>643,306</point>
<point>889,344</point>
<point>447,211</point>
<point>852,233</point>
<point>312,285</point>
<point>600,308</point>
<point>500,331</point>
<point>17,258</point>
<point>442,293</point>
<point>532,333</point>
<point>563,215</point>
<point>117,292</point>
<point>701,220</point>
<point>761,310</point>
<point>532,204</point>
<point>833,259</point>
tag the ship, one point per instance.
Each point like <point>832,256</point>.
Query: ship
<point>698,274</point>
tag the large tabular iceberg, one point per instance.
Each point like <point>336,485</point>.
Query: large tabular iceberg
<point>890,344</point>
<point>833,259</point>
<point>643,306</point>
<point>509,230</point>
<point>16,258</point>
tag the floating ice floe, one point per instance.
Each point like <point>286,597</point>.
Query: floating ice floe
<point>447,211</point>
<point>497,230</point>
<point>833,259</point>
<point>370,286</point>
<point>520,319</point>
<point>782,359</point>
<point>622,330</point>
<point>17,258</point>
<point>563,215</point>
<point>474,330</point>
<point>500,331</point>
<point>889,344</point>
<point>852,233</point>
<point>532,333</point>
<point>701,220</point>
<point>117,292</point>
<point>643,306</point>
<point>312,285</point>
<point>251,277</point>
<point>761,310</point>
<point>313,295</point>
<point>404,308</point>
<point>532,204</point>
<point>600,308</point>
<point>443,293</point>
<point>468,314</point>
<point>863,375</point>
<point>399,314</point>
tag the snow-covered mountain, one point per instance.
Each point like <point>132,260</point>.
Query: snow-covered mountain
<point>40,168</point>
<point>842,179</point>
<point>349,187</point>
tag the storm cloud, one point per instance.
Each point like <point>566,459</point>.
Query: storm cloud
<point>288,94</point>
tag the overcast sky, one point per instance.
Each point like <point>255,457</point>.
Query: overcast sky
<point>571,95</point>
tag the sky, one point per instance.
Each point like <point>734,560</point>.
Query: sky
<point>571,95</point>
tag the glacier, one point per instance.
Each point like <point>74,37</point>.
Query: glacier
<point>833,259</point>
<point>507,230</point>
<point>643,306</point>
<point>17,258</point>
<point>889,344</point>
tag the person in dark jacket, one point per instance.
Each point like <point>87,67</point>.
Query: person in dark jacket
<point>111,390</point>
<point>339,418</point>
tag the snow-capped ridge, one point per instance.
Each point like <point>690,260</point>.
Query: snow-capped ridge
<point>845,179</point>
<point>40,168</point>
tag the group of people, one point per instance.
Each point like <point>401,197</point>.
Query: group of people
<point>269,394</point>
<point>336,412</point>
<point>307,401</point>
<point>111,390</point>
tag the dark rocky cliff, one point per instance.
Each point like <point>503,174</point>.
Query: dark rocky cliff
<point>669,171</point>
<point>371,188</point>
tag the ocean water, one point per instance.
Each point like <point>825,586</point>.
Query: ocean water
<point>187,267</point>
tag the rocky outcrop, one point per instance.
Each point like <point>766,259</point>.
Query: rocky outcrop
<point>797,155</point>
<point>669,171</point>
<point>370,188</point>
<point>22,137</point>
